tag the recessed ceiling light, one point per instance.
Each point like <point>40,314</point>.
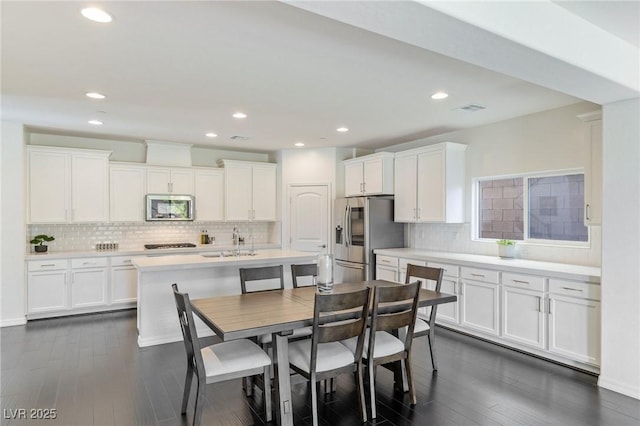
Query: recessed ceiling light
<point>96,15</point>
<point>299,144</point>
<point>439,95</point>
<point>239,115</point>
<point>96,122</point>
<point>342,129</point>
<point>211,135</point>
<point>95,95</point>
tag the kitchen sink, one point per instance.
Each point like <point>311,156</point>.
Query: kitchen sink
<point>228,253</point>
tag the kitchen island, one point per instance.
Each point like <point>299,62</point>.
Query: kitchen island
<point>200,275</point>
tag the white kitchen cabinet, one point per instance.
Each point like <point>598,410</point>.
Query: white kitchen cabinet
<point>47,289</point>
<point>67,185</point>
<point>574,320</point>
<point>593,175</point>
<point>250,190</point>
<point>523,313</point>
<point>369,175</point>
<point>127,190</point>
<point>209,194</point>
<point>429,184</point>
<point>169,180</point>
<point>89,282</point>
<point>480,300</point>
<point>387,268</point>
<point>124,281</point>
<point>448,312</point>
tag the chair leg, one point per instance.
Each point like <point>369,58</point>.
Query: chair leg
<point>432,337</point>
<point>314,400</point>
<point>187,389</point>
<point>412,390</point>
<point>197,411</point>
<point>359,376</point>
<point>268,408</point>
<point>372,388</point>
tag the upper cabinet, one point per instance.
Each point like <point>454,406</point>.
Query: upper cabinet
<point>429,184</point>
<point>250,190</point>
<point>369,175</point>
<point>169,180</point>
<point>67,185</point>
<point>209,194</point>
<point>593,172</point>
<point>128,184</point>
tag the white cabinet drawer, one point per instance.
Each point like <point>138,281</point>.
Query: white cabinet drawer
<point>121,261</point>
<point>574,289</point>
<point>404,262</point>
<point>449,270</point>
<point>529,282</point>
<point>47,265</point>
<point>387,261</point>
<point>476,274</point>
<point>89,262</point>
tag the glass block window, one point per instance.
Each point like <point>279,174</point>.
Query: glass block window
<point>532,207</point>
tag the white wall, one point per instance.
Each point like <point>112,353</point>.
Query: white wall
<point>12,225</point>
<point>548,140</point>
<point>620,370</point>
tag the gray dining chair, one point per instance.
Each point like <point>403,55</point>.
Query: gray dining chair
<point>427,327</point>
<point>394,307</point>
<point>309,270</point>
<point>216,363</point>
<point>323,356</point>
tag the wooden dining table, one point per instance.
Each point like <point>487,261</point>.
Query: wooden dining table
<point>279,312</point>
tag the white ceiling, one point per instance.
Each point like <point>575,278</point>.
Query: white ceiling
<point>174,71</point>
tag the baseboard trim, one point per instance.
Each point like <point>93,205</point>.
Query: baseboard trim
<point>616,386</point>
<point>13,322</point>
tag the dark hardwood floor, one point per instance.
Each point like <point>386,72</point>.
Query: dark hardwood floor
<point>90,370</point>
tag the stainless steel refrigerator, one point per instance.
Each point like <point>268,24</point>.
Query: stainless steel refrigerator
<point>361,225</point>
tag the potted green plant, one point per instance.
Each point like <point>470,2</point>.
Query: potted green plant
<point>506,248</point>
<point>39,240</point>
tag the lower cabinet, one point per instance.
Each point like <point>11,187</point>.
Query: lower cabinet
<point>124,280</point>
<point>550,317</point>
<point>88,282</point>
<point>79,285</point>
<point>574,320</point>
<point>480,300</point>
<point>47,286</point>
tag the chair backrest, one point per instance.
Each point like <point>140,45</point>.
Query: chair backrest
<point>426,273</point>
<point>394,307</point>
<point>188,327</point>
<point>327,327</point>
<point>259,274</point>
<point>306,270</point>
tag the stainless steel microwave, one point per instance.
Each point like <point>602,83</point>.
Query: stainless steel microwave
<point>169,207</point>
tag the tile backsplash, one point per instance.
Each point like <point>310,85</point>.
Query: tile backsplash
<point>133,236</point>
<point>457,238</point>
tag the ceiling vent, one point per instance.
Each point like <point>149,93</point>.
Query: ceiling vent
<point>472,108</point>
<point>239,138</point>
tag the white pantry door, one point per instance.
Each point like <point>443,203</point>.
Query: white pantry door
<point>309,217</point>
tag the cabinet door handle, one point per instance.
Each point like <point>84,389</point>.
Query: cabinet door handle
<point>364,187</point>
<point>587,212</point>
<point>48,265</point>
<point>572,289</point>
<point>478,275</point>
<point>89,263</point>
<point>521,282</point>
<point>540,307</point>
<point>549,310</point>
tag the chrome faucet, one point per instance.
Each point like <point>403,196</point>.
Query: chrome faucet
<point>236,240</point>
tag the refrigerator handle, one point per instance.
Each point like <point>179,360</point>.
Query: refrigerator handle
<point>347,226</point>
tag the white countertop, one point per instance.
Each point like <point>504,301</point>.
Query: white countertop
<point>200,248</point>
<point>191,261</point>
<point>549,269</point>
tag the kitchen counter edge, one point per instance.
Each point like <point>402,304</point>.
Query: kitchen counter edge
<point>549,269</point>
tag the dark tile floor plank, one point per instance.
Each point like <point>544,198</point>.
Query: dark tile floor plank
<point>90,369</point>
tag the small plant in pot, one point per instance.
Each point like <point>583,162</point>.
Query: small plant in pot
<point>39,241</point>
<point>506,248</point>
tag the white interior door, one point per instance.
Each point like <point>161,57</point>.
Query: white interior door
<point>309,217</point>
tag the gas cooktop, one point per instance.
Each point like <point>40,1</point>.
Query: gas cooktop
<point>169,245</point>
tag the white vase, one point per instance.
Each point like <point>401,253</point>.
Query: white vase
<point>506,251</point>
<point>325,272</point>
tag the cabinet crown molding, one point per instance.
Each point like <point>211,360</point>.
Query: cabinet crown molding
<point>63,150</point>
<point>375,155</point>
<point>434,147</point>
